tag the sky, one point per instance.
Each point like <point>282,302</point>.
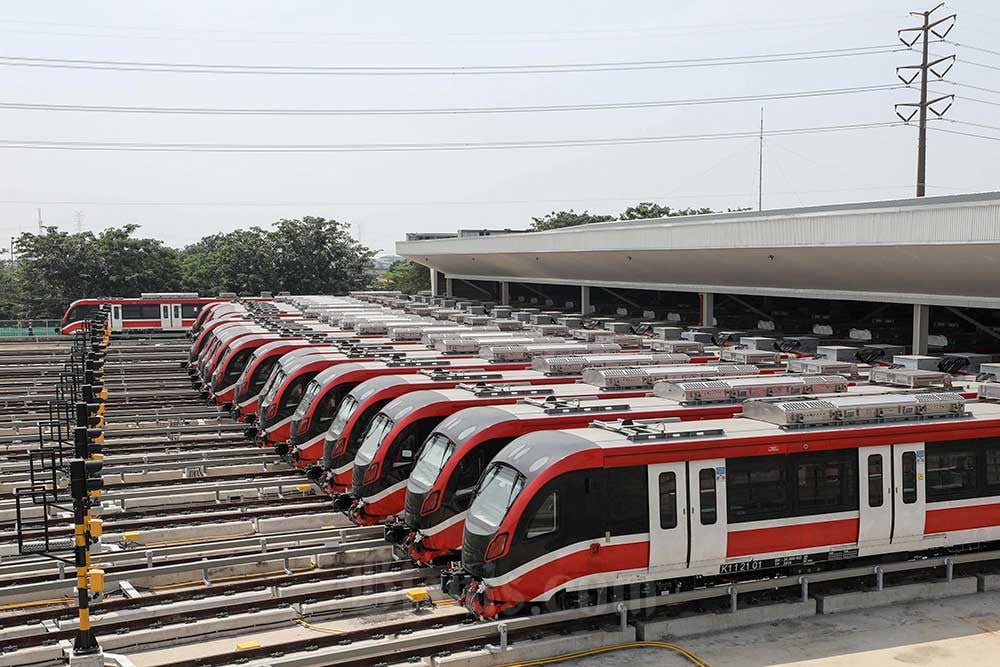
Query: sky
<point>181,196</point>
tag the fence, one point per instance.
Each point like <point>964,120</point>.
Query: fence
<point>29,327</point>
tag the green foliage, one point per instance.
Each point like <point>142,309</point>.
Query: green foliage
<point>406,276</point>
<point>55,267</point>
<point>559,219</point>
<point>307,256</point>
<point>649,210</point>
<point>641,211</point>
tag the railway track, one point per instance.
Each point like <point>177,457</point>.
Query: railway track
<point>207,538</point>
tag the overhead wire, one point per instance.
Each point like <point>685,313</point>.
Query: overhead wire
<point>437,70</point>
<point>419,111</point>
<point>471,202</point>
<point>972,48</point>
<point>420,147</point>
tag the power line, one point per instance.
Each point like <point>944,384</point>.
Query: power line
<point>970,124</point>
<point>969,85</point>
<point>974,48</point>
<point>965,134</point>
<point>971,99</point>
<point>30,106</point>
<point>480,202</point>
<point>547,34</point>
<point>418,147</point>
<point>966,61</point>
<point>376,70</point>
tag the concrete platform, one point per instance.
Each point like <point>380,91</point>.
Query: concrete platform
<point>533,650</point>
<point>953,632</point>
<point>685,626</point>
<point>933,590</point>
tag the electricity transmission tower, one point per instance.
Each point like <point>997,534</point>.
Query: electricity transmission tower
<point>909,73</point>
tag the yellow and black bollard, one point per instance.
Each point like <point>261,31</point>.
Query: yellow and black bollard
<point>85,484</point>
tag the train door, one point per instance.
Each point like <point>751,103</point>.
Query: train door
<point>168,320</point>
<point>909,498</point>
<point>116,317</point>
<point>875,501</point>
<point>668,516</point>
<point>707,502</point>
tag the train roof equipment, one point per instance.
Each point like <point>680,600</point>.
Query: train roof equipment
<point>728,390</point>
<point>620,378</point>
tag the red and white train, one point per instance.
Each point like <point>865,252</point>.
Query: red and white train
<point>560,515</point>
<point>153,311</point>
<point>448,465</point>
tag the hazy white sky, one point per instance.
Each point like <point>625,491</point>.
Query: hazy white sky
<point>181,196</point>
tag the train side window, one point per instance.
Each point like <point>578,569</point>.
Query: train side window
<point>951,471</point>
<point>826,482</point>
<point>628,501</point>
<point>875,494</point>
<point>992,468</point>
<point>545,519</point>
<point>190,310</point>
<point>756,488</point>
<point>668,500</point>
<point>909,477</point>
<point>707,493</point>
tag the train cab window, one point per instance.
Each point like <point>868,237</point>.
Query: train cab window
<point>876,496</point>
<point>545,520</point>
<point>756,488</point>
<point>909,477</point>
<point>668,500</point>
<point>707,496</point>
<point>951,471</point>
<point>826,482</point>
<point>78,313</point>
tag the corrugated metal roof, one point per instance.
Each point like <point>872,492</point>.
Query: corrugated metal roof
<point>937,250</point>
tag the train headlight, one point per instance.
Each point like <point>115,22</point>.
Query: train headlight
<point>430,503</point>
<point>496,547</point>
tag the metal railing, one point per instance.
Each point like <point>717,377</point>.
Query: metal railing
<point>29,327</point>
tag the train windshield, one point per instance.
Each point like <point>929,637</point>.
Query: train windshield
<point>497,492</point>
<point>311,391</point>
<point>271,388</point>
<point>344,412</point>
<point>431,459</point>
<point>377,431</point>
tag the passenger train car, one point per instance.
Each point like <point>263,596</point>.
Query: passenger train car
<point>354,414</point>
<point>450,462</point>
<point>150,312</point>
<point>561,515</point>
<point>342,438</point>
<point>287,385</point>
<point>320,420</point>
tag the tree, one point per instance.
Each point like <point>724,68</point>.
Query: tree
<point>557,220</point>
<point>406,276</point>
<point>645,210</point>
<point>55,268</point>
<point>310,255</point>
